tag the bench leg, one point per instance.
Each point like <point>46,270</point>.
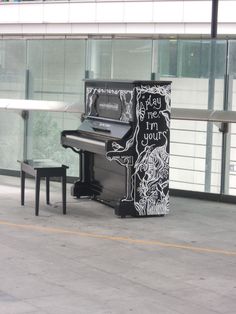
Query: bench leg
<point>37,194</point>
<point>22,175</point>
<point>47,190</point>
<point>64,194</point>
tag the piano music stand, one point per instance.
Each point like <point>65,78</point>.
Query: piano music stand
<point>43,168</point>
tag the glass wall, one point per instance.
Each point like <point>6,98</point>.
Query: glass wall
<point>55,70</point>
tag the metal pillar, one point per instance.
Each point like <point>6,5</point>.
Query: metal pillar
<point>209,138</point>
<point>225,154</point>
<point>153,62</point>
<point>214,18</point>
<point>211,96</point>
<point>25,116</point>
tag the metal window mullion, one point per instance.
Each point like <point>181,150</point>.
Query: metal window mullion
<point>225,154</point>
<point>25,114</point>
<point>154,56</point>
<point>211,97</point>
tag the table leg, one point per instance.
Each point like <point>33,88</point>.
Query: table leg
<point>37,194</point>
<point>22,175</point>
<point>47,190</point>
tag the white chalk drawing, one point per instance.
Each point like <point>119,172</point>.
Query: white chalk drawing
<point>148,185</point>
<point>152,168</point>
<point>152,164</point>
<point>126,97</point>
<point>122,155</point>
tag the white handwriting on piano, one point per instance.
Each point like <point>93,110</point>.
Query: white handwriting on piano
<point>153,102</point>
<point>153,136</point>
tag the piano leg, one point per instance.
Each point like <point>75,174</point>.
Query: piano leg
<point>84,186</point>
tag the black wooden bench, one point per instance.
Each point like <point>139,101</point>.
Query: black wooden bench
<point>43,168</point>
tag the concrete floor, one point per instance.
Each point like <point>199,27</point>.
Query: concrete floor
<point>91,261</point>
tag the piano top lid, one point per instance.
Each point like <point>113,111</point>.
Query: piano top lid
<point>126,82</point>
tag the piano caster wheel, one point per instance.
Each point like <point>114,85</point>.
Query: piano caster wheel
<point>122,216</point>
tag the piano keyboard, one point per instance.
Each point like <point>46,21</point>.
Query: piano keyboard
<point>85,144</point>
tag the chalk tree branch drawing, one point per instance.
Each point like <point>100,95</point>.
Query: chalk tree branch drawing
<point>148,169</point>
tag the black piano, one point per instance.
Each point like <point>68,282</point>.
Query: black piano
<point>123,143</point>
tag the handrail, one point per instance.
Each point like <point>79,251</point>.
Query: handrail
<point>203,115</point>
<point>42,105</point>
<point>60,106</point>
<point>81,1</point>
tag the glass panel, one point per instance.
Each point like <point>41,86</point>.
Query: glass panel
<point>120,59</point>
<point>47,66</point>
<point>74,71</point>
<point>12,68</point>
<point>57,69</point>
<point>132,59</point>
<point>188,159</point>
<point>11,139</point>
<point>44,138</point>
<point>99,59</point>
<point>188,151</point>
<point>12,85</point>
<point>190,58</point>
<point>167,52</point>
<point>35,68</point>
<point>195,58</point>
<point>197,70</point>
<point>53,70</point>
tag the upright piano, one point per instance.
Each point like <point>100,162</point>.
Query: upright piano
<point>123,143</point>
